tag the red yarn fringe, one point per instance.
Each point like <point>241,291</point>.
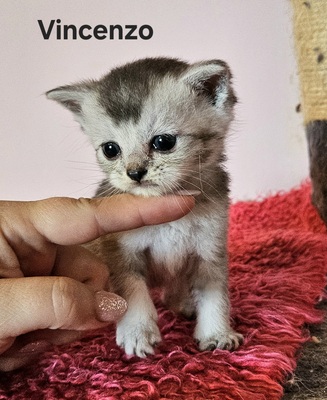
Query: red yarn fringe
<point>278,266</point>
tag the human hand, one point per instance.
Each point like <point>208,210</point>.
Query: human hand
<point>54,289</point>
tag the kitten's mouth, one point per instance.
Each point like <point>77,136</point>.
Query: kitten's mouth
<point>146,189</point>
<point>146,184</point>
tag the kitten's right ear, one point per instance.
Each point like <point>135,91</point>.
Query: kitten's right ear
<point>70,96</point>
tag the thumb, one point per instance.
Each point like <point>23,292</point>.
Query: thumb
<point>59,303</point>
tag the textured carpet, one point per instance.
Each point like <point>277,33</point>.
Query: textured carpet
<point>278,264</point>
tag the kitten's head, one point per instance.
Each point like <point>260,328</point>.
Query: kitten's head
<point>158,125</point>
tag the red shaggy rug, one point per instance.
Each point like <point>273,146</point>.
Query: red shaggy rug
<point>278,264</point>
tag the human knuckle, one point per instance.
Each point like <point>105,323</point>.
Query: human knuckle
<point>83,202</point>
<point>65,293</point>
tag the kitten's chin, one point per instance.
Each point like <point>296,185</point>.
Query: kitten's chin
<point>155,191</point>
<point>146,191</point>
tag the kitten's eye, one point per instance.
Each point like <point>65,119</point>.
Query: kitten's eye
<point>110,149</point>
<point>163,142</point>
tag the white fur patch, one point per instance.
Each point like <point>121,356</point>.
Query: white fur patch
<point>212,328</point>
<point>137,331</point>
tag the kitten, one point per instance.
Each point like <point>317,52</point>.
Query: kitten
<point>158,126</point>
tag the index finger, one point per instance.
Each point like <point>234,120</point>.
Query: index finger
<point>69,221</point>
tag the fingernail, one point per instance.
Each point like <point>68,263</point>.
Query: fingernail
<point>35,347</point>
<point>110,307</point>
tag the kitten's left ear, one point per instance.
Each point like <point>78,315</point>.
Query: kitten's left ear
<point>71,96</point>
<point>213,80</point>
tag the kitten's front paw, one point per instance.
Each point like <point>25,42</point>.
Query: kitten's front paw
<point>138,338</point>
<point>229,340</point>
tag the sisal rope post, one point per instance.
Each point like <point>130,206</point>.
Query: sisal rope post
<point>310,33</point>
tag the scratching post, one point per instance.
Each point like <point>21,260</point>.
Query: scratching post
<point>310,33</point>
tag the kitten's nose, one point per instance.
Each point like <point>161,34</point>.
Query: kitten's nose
<point>136,174</point>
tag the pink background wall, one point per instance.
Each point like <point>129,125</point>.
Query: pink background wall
<point>42,151</point>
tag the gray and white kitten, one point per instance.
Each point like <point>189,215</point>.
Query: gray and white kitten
<point>158,126</point>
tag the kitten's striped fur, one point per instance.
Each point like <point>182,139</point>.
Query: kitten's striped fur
<point>130,107</point>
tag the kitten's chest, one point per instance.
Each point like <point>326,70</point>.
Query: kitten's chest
<point>167,244</point>
<point>171,246</point>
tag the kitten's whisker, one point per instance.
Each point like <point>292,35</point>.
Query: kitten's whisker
<point>84,169</point>
<point>200,173</point>
<point>209,182</point>
<point>175,188</point>
<point>196,171</point>
<point>108,192</point>
<point>89,166</point>
<point>82,162</point>
<point>203,191</point>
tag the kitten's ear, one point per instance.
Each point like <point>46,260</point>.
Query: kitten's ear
<point>70,96</point>
<point>213,80</point>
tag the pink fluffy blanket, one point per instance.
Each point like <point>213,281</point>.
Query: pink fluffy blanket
<point>278,265</point>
